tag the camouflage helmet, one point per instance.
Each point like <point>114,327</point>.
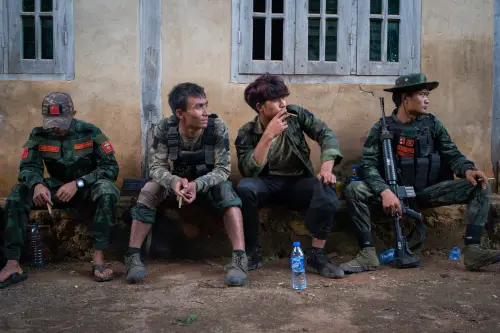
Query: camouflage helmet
<point>57,110</point>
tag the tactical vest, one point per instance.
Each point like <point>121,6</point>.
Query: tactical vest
<point>416,155</point>
<point>191,164</point>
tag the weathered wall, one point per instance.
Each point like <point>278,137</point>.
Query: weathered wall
<point>106,89</point>
<point>457,50</point>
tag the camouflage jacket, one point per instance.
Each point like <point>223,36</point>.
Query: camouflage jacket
<point>162,169</point>
<point>249,136</point>
<point>371,159</point>
<point>85,152</point>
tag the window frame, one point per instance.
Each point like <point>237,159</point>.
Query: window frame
<point>352,69</point>
<point>12,67</point>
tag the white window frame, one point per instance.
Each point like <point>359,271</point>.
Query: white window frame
<point>352,65</point>
<point>13,67</point>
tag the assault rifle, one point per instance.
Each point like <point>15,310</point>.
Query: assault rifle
<point>404,256</point>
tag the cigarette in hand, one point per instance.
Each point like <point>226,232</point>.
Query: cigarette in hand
<point>180,201</point>
<point>291,114</point>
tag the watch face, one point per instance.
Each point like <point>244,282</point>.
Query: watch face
<point>79,183</point>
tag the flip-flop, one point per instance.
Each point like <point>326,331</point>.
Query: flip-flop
<point>100,269</point>
<point>13,279</point>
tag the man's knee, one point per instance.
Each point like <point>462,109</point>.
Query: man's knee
<point>104,187</point>
<point>151,194</point>
<point>19,193</point>
<point>247,188</point>
<point>224,196</point>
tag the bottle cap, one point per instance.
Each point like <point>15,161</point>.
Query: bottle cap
<point>296,244</point>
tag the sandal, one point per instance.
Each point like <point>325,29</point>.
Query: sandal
<point>100,269</point>
<point>13,279</point>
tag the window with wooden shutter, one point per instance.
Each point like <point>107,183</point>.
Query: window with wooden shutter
<point>326,41</point>
<point>39,39</point>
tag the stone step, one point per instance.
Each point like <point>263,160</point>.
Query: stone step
<point>196,232</point>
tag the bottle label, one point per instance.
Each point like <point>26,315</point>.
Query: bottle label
<point>298,264</point>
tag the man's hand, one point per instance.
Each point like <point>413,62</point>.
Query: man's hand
<point>474,176</point>
<point>277,125</point>
<point>41,196</point>
<point>390,203</point>
<point>67,192</point>
<point>189,192</point>
<point>182,183</point>
<point>326,173</point>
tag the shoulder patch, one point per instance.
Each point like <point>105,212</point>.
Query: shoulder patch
<point>107,147</point>
<point>25,153</point>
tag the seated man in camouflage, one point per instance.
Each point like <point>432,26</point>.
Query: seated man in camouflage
<point>82,167</point>
<point>428,159</point>
<point>191,160</point>
<point>273,156</point>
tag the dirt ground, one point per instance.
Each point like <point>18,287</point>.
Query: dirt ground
<point>440,296</point>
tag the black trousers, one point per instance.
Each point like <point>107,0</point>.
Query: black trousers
<point>297,193</point>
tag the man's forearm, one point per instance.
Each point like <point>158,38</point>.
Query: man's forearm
<point>262,149</point>
<point>327,165</point>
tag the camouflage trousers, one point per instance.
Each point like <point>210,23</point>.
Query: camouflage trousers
<point>221,196</point>
<point>360,198</point>
<point>103,196</point>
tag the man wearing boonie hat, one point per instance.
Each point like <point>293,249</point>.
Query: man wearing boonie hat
<point>429,161</point>
<point>82,167</point>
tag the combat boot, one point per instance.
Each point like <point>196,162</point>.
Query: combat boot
<point>134,268</point>
<point>238,273</point>
<point>365,260</point>
<point>317,262</point>
<point>475,257</point>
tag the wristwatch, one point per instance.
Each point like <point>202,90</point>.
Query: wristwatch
<point>80,183</point>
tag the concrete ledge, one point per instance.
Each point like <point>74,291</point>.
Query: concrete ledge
<point>199,233</point>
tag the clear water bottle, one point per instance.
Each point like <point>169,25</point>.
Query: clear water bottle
<point>355,174</point>
<point>455,253</point>
<point>36,247</point>
<point>298,268</point>
<point>387,256</point>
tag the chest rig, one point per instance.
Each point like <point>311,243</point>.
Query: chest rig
<point>196,163</point>
<point>415,151</point>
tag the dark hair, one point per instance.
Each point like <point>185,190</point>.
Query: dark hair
<point>177,98</point>
<point>266,87</point>
<point>397,97</point>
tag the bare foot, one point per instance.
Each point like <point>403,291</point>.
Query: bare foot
<point>99,260</point>
<point>11,267</point>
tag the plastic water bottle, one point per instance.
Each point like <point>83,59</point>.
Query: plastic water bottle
<point>298,268</point>
<point>455,253</point>
<point>36,247</point>
<point>386,256</point>
<point>355,174</point>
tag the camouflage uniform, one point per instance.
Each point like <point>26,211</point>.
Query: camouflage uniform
<point>361,194</point>
<point>213,186</point>
<point>287,177</point>
<point>83,153</point>
<point>428,160</point>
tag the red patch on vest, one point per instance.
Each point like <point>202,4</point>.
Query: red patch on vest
<point>54,110</point>
<point>405,147</point>
<point>50,149</point>
<point>25,153</point>
<point>79,146</point>
<point>107,147</point>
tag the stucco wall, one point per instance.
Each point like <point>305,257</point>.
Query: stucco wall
<point>106,89</point>
<point>457,50</point>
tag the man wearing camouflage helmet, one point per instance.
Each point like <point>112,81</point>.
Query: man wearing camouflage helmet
<point>428,160</point>
<point>81,165</point>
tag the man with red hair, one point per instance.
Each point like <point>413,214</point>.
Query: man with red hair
<point>273,158</point>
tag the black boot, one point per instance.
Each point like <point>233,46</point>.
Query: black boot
<point>317,262</point>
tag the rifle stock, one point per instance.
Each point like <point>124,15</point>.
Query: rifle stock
<point>404,255</point>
